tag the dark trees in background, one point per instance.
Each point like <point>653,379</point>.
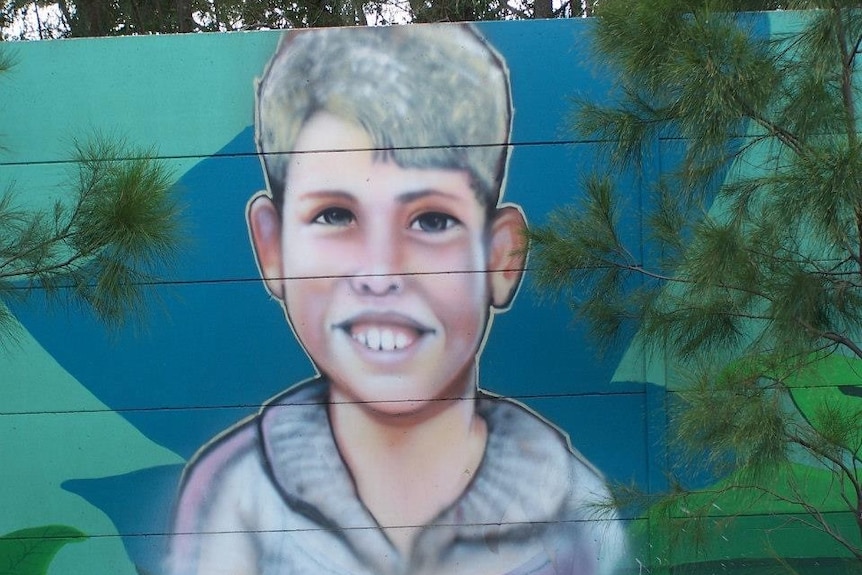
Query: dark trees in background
<point>81,18</point>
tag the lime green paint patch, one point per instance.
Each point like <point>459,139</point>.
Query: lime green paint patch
<point>833,414</point>
<point>831,371</point>
<point>30,551</point>
<point>816,393</point>
<point>738,518</point>
<point>772,494</point>
<point>766,537</point>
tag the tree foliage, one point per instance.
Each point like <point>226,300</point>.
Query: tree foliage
<point>101,243</point>
<point>750,281</point>
<point>114,224</point>
<point>29,19</point>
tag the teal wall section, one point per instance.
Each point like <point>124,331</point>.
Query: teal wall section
<point>95,428</point>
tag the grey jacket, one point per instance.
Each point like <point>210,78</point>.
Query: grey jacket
<point>272,496</point>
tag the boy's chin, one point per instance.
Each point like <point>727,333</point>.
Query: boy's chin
<point>405,413</point>
<point>396,405</point>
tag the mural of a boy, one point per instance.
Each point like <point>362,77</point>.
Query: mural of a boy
<point>383,236</point>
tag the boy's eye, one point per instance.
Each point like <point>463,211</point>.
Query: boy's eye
<point>340,217</point>
<point>434,222</point>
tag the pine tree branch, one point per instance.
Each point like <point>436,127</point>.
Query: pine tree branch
<point>604,263</point>
<point>517,10</point>
<point>818,520</point>
<point>854,481</point>
<point>61,236</point>
<point>851,257</point>
<point>782,134</point>
<point>37,271</point>
<point>847,59</point>
<point>818,516</point>
<point>834,460</point>
<point>66,15</point>
<point>58,238</point>
<point>847,56</point>
<point>856,50</point>
<point>122,220</point>
<point>834,337</point>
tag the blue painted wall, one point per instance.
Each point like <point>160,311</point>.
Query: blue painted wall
<point>96,427</point>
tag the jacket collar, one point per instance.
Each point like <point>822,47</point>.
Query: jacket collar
<point>523,479</point>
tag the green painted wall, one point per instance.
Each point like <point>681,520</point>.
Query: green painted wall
<point>96,427</point>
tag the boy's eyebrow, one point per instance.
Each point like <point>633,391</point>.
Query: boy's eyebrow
<point>340,194</point>
<point>402,198</point>
<point>408,197</point>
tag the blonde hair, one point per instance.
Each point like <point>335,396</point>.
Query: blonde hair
<point>428,96</point>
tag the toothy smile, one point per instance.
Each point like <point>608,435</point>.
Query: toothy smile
<point>383,335</point>
<point>382,339</point>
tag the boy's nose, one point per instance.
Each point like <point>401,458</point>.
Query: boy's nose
<point>379,273</point>
<point>379,284</point>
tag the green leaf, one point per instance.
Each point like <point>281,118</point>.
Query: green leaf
<point>30,551</point>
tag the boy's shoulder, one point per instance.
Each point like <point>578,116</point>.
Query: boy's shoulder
<point>512,421</point>
<point>532,465</point>
<point>248,438</point>
<point>536,460</point>
<point>213,480</point>
<point>239,457</point>
<point>225,451</point>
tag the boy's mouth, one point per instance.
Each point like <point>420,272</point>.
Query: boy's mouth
<point>382,335</point>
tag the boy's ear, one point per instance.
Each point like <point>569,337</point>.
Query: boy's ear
<point>507,254</point>
<point>264,227</point>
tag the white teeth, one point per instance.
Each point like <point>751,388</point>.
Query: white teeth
<point>387,340</point>
<point>373,338</point>
<point>381,339</point>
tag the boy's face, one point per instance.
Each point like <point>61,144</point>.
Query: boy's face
<point>395,297</point>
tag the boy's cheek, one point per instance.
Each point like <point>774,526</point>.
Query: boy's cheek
<point>302,252</point>
<point>315,252</point>
<point>463,254</point>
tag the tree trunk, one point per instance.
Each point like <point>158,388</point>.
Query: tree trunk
<point>543,9</point>
<point>185,22</point>
<point>89,19</point>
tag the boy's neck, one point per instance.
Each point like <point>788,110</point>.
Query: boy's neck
<point>407,470</point>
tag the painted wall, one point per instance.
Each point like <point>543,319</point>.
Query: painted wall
<point>96,428</point>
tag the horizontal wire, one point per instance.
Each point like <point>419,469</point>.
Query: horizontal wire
<point>778,515</point>
<point>257,406</point>
<point>297,530</point>
<point>248,154</point>
<point>245,406</point>
<point>258,279</point>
